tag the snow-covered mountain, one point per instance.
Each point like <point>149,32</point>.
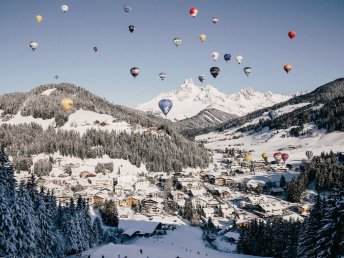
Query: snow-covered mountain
<point>190,99</point>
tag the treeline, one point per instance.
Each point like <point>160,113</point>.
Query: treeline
<point>321,235</point>
<point>158,153</point>
<point>327,170</point>
<point>32,225</point>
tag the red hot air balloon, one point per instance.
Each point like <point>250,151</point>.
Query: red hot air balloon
<point>193,12</point>
<point>278,157</point>
<point>292,34</point>
<point>285,156</point>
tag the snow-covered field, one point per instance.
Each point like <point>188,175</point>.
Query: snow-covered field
<point>189,99</point>
<point>184,242</point>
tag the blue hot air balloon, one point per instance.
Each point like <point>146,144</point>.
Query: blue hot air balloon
<point>165,105</point>
<point>272,115</point>
<point>201,78</point>
<point>227,57</point>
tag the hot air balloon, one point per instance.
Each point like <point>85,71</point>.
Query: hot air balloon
<point>239,59</point>
<point>278,157</point>
<point>215,55</point>
<point>201,77</point>
<point>64,8</point>
<point>165,106</point>
<point>292,34</point>
<point>309,154</point>
<point>131,28</point>
<point>214,71</point>
<point>177,41</point>
<point>265,156</point>
<point>247,70</point>
<point>287,67</point>
<point>272,115</point>
<point>227,57</point>
<point>193,12</point>
<point>67,104</point>
<point>127,8</point>
<point>214,20</point>
<point>285,156</point>
<point>95,49</point>
<point>39,18</point>
<point>162,76</point>
<point>135,71</point>
<point>248,157</point>
<point>33,45</point>
<point>56,77</point>
<point>202,37</point>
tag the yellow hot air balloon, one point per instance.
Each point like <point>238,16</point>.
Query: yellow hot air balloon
<point>265,156</point>
<point>202,37</point>
<point>67,104</point>
<point>39,18</point>
<point>248,157</point>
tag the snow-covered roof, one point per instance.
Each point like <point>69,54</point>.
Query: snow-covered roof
<point>139,226</point>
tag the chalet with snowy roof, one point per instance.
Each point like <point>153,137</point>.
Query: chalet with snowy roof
<point>178,195</point>
<point>270,209</point>
<point>97,200</point>
<point>132,228</point>
<point>141,185</point>
<point>199,201</point>
<point>209,212</point>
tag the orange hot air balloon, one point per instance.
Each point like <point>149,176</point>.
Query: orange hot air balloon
<point>193,12</point>
<point>292,34</point>
<point>67,104</point>
<point>287,67</point>
<point>248,157</point>
<point>265,156</point>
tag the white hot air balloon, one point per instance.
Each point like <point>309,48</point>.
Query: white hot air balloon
<point>64,8</point>
<point>239,59</point>
<point>33,45</point>
<point>215,55</point>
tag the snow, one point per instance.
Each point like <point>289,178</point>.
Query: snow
<point>184,242</point>
<point>189,99</point>
<point>19,119</point>
<point>48,92</point>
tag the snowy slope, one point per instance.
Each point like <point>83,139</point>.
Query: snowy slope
<point>189,99</point>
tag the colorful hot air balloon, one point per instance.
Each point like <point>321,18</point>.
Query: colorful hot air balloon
<point>39,18</point>
<point>135,71</point>
<point>67,104</point>
<point>202,37</point>
<point>247,70</point>
<point>309,154</point>
<point>265,156</point>
<point>214,71</point>
<point>165,106</point>
<point>131,28</point>
<point>177,41</point>
<point>64,8</point>
<point>33,45</point>
<point>193,12</point>
<point>287,67</point>
<point>292,34</point>
<point>215,55</point>
<point>201,77</point>
<point>227,57</point>
<point>285,157</point>
<point>162,76</point>
<point>248,157</point>
<point>272,114</point>
<point>56,77</point>
<point>278,157</point>
<point>214,20</point>
<point>95,49</point>
<point>127,8</point>
<point>239,59</point>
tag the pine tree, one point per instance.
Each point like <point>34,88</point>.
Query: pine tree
<point>7,180</point>
<point>283,182</point>
<point>97,232</point>
<point>109,213</point>
<point>188,209</point>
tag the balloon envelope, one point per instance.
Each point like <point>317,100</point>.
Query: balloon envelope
<point>239,59</point>
<point>309,154</point>
<point>214,71</point>
<point>56,77</point>
<point>193,12</point>
<point>272,115</point>
<point>248,157</point>
<point>162,76</point>
<point>227,57</point>
<point>278,156</point>
<point>165,105</point>
<point>247,70</point>
<point>64,8</point>
<point>67,104</point>
<point>131,28</point>
<point>214,20</point>
<point>95,49</point>
<point>33,45</point>
<point>292,34</point>
<point>135,71</point>
<point>177,41</point>
<point>202,37</point>
<point>39,18</point>
<point>127,8</point>
<point>287,67</point>
<point>285,156</point>
<point>215,55</point>
<point>201,77</point>
<point>265,156</point>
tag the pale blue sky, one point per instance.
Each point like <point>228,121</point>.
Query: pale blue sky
<point>255,29</point>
